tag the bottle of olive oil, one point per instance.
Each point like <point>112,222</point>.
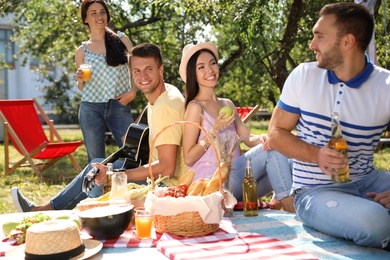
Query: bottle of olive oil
<point>338,143</point>
<point>249,191</point>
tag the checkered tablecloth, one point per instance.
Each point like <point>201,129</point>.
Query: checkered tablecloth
<point>225,243</point>
<point>242,246</point>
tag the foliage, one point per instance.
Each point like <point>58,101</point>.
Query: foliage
<point>260,41</point>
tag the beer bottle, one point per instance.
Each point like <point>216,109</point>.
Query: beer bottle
<point>107,186</point>
<point>338,143</point>
<point>249,191</point>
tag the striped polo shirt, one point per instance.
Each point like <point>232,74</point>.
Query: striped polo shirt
<point>363,104</point>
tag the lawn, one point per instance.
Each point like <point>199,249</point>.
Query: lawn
<point>59,175</point>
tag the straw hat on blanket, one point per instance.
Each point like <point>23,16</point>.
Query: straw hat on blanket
<point>54,239</point>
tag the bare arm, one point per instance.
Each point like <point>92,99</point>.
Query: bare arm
<point>79,58</point>
<point>192,150</point>
<point>284,141</point>
<point>165,166</point>
<point>252,140</point>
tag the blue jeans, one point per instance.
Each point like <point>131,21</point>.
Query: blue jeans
<point>93,119</point>
<point>271,170</point>
<point>344,210</point>
<point>73,193</point>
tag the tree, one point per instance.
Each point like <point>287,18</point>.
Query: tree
<point>259,41</point>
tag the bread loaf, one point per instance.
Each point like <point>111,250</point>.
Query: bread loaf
<point>196,188</point>
<point>216,180</point>
<point>187,177</point>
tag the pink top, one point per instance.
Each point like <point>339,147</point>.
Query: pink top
<point>206,165</point>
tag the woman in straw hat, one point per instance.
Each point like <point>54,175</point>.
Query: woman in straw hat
<point>199,70</point>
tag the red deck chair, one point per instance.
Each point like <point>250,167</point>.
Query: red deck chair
<point>246,113</point>
<point>23,127</point>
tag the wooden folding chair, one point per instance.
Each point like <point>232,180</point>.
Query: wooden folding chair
<point>246,113</point>
<point>23,128</point>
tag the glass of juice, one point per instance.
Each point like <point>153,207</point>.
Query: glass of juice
<point>143,224</point>
<point>86,68</point>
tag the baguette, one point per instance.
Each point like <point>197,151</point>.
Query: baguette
<point>196,188</point>
<point>187,177</point>
<point>211,186</point>
<point>217,179</point>
<point>224,171</point>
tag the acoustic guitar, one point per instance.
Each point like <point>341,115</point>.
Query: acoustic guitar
<point>134,151</point>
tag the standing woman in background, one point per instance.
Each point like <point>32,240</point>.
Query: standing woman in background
<point>107,95</point>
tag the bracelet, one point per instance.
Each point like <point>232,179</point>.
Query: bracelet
<point>212,133</point>
<point>203,144</point>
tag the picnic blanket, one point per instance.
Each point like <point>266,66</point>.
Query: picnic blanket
<point>243,246</point>
<point>287,227</point>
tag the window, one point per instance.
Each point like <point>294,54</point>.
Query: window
<point>7,47</point>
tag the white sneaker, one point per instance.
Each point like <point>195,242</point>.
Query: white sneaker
<point>21,203</point>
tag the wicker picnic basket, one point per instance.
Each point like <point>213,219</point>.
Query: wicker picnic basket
<point>187,223</point>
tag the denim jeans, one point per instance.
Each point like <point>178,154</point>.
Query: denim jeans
<point>345,211</point>
<point>271,170</point>
<point>93,119</point>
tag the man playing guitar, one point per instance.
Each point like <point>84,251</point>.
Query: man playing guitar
<point>165,106</point>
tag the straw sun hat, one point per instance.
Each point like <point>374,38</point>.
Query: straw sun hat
<point>190,50</point>
<point>54,239</point>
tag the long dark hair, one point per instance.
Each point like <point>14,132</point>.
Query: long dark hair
<point>116,51</point>
<point>192,86</point>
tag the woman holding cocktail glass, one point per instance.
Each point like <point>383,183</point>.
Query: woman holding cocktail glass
<point>108,92</point>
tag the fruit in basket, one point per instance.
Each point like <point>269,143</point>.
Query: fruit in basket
<point>227,110</point>
<point>177,192</point>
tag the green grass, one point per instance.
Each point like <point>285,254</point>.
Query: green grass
<point>58,176</point>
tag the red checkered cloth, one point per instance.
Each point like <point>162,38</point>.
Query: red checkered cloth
<point>6,244</point>
<point>260,204</point>
<point>242,246</point>
<point>129,238</point>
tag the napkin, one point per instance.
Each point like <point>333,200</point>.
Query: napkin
<point>209,207</point>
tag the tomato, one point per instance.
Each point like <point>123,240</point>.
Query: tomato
<point>170,192</point>
<point>183,186</point>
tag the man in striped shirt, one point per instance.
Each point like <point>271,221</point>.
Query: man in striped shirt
<point>341,80</point>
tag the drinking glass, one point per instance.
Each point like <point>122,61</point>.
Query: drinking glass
<point>86,68</point>
<point>143,224</point>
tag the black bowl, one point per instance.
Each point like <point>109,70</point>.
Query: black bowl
<point>106,222</point>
